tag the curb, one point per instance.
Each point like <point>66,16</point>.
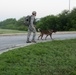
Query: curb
<point>13,34</point>
<point>66,32</point>
<point>15,47</point>
<point>18,34</point>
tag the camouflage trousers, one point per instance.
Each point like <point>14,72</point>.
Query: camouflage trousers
<point>29,33</point>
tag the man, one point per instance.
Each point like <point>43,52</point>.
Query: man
<point>32,28</point>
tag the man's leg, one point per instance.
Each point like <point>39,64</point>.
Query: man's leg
<point>34,35</point>
<point>28,36</point>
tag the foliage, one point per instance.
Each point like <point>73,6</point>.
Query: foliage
<point>65,21</point>
<point>13,24</point>
<point>48,22</point>
<point>49,58</point>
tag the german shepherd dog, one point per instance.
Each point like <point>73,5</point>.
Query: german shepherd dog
<point>46,32</point>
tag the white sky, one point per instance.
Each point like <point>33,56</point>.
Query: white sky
<point>19,8</point>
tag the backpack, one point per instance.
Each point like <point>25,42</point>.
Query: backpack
<point>27,20</point>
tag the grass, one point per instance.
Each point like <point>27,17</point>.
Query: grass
<point>49,58</point>
<point>8,31</point>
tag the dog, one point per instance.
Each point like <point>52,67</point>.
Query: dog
<point>46,32</point>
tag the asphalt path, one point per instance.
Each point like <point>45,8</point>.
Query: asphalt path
<point>15,41</point>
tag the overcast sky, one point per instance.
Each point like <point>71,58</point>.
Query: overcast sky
<point>19,8</point>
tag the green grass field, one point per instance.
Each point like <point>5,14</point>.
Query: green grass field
<point>8,31</point>
<point>49,58</point>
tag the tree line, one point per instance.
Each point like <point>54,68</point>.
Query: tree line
<point>13,24</point>
<point>65,21</point>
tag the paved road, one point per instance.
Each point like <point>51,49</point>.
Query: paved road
<point>8,42</point>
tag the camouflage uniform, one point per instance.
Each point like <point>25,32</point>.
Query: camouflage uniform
<point>31,28</point>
